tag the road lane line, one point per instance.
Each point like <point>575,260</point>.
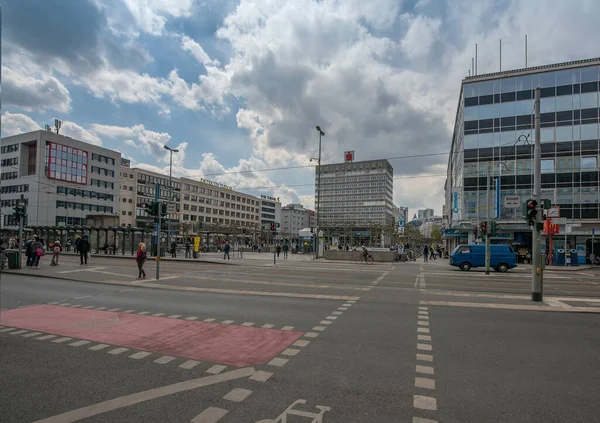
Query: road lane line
<point>319,328</point>
<point>424,369</point>
<point>227,322</point>
<point>423,338</point>
<point>237,395</point>
<point>331,317</point>
<point>325,322</point>
<point>190,364</point>
<point>422,323</point>
<point>278,362</point>
<point>337,313</point>
<point>424,357</point>
<point>118,351</point>
<point>422,420</point>
<point>261,376</point>
<point>268,326</point>
<point>290,351</point>
<point>216,369</point>
<point>156,314</point>
<point>192,318</point>
<point>248,324</point>
<point>301,343</point>
<point>514,307</point>
<point>143,312</point>
<point>210,415</point>
<point>128,311</point>
<point>43,338</point>
<point>19,332</point>
<point>101,308</point>
<point>61,340</point>
<point>30,334</point>
<point>164,359</point>
<point>423,330</point>
<point>98,347</point>
<point>88,307</point>
<point>209,320</point>
<point>7,329</point>
<point>424,347</point>
<point>79,343</point>
<point>139,355</point>
<point>421,382</point>
<point>128,400</point>
<point>424,403</point>
<point>342,308</point>
<point>174,316</point>
<point>287,328</point>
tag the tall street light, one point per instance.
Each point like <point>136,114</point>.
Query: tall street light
<point>171,150</point>
<point>321,134</point>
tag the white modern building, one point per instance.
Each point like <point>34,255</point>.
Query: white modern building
<point>430,223</point>
<point>270,211</point>
<point>425,214</point>
<point>294,218</point>
<point>62,180</point>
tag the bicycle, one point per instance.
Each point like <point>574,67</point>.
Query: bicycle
<point>361,259</point>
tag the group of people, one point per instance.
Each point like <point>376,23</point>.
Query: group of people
<point>433,252</point>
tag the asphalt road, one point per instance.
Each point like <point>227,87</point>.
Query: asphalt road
<point>217,343</point>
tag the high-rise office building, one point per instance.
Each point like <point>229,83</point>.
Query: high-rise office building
<point>494,130</point>
<point>426,213</point>
<point>356,195</point>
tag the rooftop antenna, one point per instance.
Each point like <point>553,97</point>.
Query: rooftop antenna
<point>500,54</point>
<point>525,51</point>
<point>475,58</point>
<point>57,125</point>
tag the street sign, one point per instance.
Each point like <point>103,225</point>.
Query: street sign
<point>475,222</point>
<point>559,220</point>
<point>553,212</point>
<point>171,208</point>
<point>512,201</point>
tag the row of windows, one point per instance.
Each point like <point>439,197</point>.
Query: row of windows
<point>102,184</point>
<point>125,200</point>
<point>551,92</point>
<point>214,202</point>
<point>9,189</point>
<point>349,167</point>
<point>526,107</point>
<point>208,191</point>
<point>549,179</point>
<point>10,175</point>
<point>563,164</point>
<point>13,202</point>
<point>580,75</point>
<point>193,218</point>
<point>103,171</point>
<point>525,122</point>
<point>9,162</point>
<point>84,193</point>
<point>70,220</point>
<point>547,135</point>
<point>103,159</point>
<point>163,182</point>
<point>125,175</point>
<point>83,206</point>
<point>150,191</point>
<point>124,187</point>
<point>124,213</point>
<point>9,148</point>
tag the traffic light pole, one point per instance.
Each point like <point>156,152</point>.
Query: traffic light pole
<point>21,201</point>
<point>488,226</point>
<point>158,225</point>
<point>536,254</point>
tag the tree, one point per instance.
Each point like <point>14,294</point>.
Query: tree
<point>436,235</point>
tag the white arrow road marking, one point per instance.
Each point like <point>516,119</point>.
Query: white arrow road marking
<point>127,400</point>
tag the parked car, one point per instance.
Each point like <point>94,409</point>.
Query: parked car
<point>466,256</point>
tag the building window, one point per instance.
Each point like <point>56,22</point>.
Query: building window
<point>65,163</point>
<point>548,166</point>
<point>588,163</point>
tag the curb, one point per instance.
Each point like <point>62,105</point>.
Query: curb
<point>152,258</point>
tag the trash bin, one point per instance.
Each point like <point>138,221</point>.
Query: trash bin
<point>13,259</point>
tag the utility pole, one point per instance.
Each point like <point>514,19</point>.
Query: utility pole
<point>321,133</point>
<point>158,225</point>
<point>536,254</point>
<point>488,226</point>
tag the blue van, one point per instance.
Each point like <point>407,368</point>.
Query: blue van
<point>465,256</point>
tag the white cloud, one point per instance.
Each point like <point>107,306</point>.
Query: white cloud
<point>151,15</point>
<point>422,33</point>
<point>28,91</point>
<point>196,50</point>
<point>16,123</point>
<point>71,129</point>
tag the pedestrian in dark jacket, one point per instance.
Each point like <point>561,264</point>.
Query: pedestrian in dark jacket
<point>286,248</point>
<point>226,250</point>
<point>83,246</point>
<point>278,249</point>
<point>141,259</point>
<point>28,254</point>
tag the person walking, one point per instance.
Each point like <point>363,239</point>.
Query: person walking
<point>188,246</point>
<point>259,248</point>
<point>226,250</point>
<point>28,252</point>
<point>173,249</point>
<point>56,250</point>
<point>83,246</point>
<point>37,251</point>
<point>278,249</point>
<point>68,245</point>
<point>286,248</point>
<point>425,253</point>
<point>140,258</point>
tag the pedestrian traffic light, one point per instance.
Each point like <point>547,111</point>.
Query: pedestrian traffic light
<point>484,227</point>
<point>531,210</point>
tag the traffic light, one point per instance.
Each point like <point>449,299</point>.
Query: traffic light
<point>492,228</point>
<point>150,208</point>
<point>163,209</point>
<point>531,210</point>
<point>484,227</point>
<point>475,231</point>
<point>273,227</point>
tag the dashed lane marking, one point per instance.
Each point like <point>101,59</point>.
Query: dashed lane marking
<point>164,359</point>
<point>301,343</point>
<point>424,369</point>
<point>424,347</point>
<point>156,314</point>
<point>30,334</point>
<point>190,364</point>
<point>424,357</point>
<point>98,347</point>
<point>192,318</point>
<point>287,328</point>
<point>278,362</point>
<point>216,369</point>
<point>209,320</point>
<point>61,340</point>
<point>210,415</point>
<point>422,420</point>
<point>248,324</point>
<point>139,355</point>
<point>261,376</point>
<point>19,332</point>
<point>237,395</point>
<point>43,338</point>
<point>423,330</point>
<point>421,382</point>
<point>424,403</point>
<point>515,307</point>
<point>117,351</point>
<point>174,316</point>
<point>311,334</point>
<point>227,322</point>
<point>319,328</point>
<point>423,337</point>
<point>290,352</point>
<point>79,343</point>
<point>325,322</point>
<point>267,326</point>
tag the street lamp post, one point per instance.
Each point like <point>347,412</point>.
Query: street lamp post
<point>171,150</point>
<point>321,134</point>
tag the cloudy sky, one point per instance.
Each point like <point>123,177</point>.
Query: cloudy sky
<point>240,85</point>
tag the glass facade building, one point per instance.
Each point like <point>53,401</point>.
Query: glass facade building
<point>494,129</point>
